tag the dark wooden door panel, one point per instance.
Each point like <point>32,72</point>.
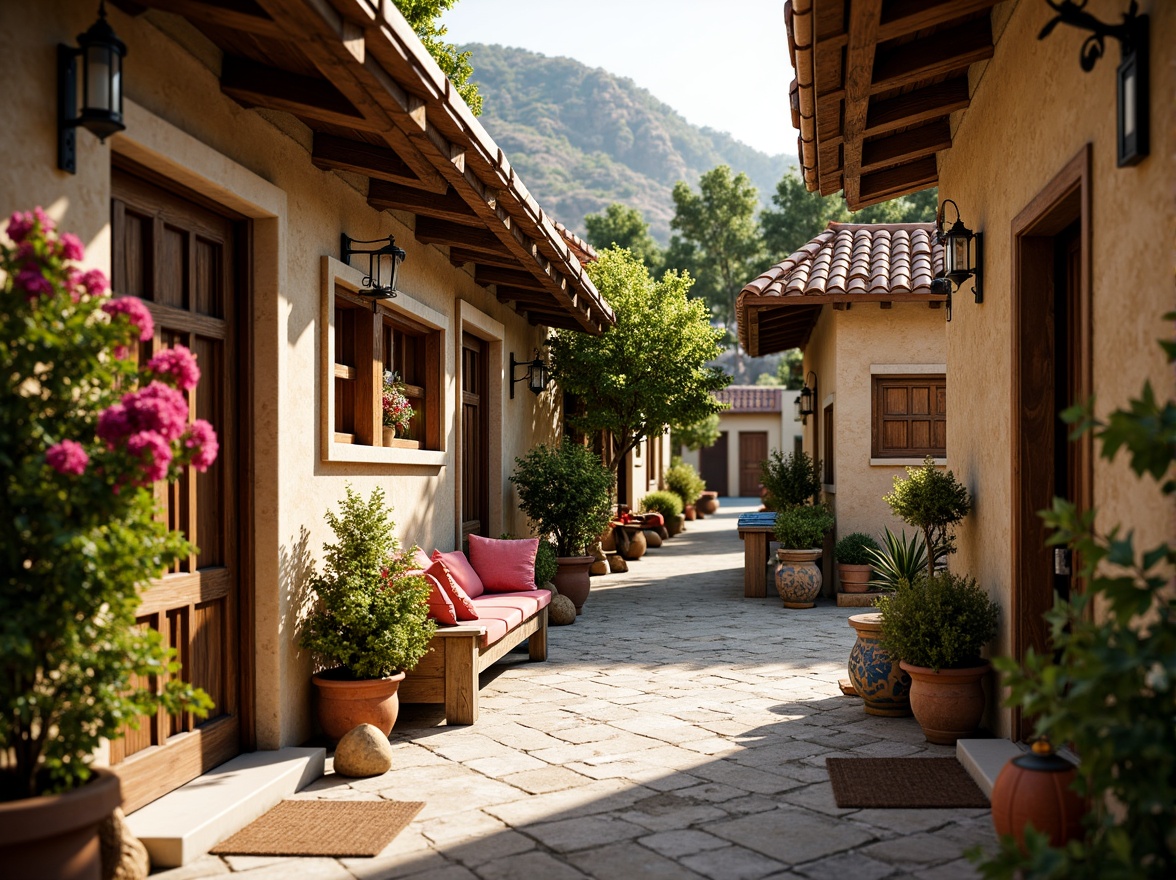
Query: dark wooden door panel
<point>475,449</point>
<point>712,463</point>
<point>753,449</point>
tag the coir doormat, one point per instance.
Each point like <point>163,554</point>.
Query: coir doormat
<point>902,783</point>
<point>322,828</point>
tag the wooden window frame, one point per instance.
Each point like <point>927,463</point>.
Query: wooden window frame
<point>358,354</point>
<point>879,381</point>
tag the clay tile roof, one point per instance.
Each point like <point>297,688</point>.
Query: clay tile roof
<point>583,251</point>
<point>751,398</point>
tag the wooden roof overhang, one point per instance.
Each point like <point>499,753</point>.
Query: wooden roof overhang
<point>357,75</point>
<point>876,82</point>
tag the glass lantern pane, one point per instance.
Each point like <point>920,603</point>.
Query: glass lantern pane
<point>97,92</point>
<point>959,255</point>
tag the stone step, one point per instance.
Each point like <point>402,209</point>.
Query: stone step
<point>984,759</point>
<point>185,824</point>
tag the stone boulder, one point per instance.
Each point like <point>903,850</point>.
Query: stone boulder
<point>363,751</point>
<point>561,611</point>
<point>123,855</point>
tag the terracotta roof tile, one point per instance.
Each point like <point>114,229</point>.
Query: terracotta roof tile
<point>751,398</point>
<point>583,251</point>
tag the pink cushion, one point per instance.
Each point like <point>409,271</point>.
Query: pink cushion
<point>420,559</point>
<point>504,566</point>
<point>527,601</point>
<point>653,520</point>
<point>490,610</point>
<point>495,629</point>
<point>461,570</point>
<point>440,605</point>
<point>463,608</point>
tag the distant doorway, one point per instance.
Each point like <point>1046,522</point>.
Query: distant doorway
<point>1051,370</point>
<point>712,461</point>
<point>753,449</point>
<point>475,449</point>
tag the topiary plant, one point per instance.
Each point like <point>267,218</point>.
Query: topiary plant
<point>803,526</point>
<point>545,564</point>
<point>565,491</point>
<point>683,480</point>
<point>932,500</point>
<point>940,621</point>
<point>790,479</point>
<point>667,503</point>
<point>372,616</point>
<point>854,549</point>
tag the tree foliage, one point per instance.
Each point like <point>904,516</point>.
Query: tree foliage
<point>648,371</point>
<point>697,436</point>
<point>791,370</point>
<point>932,500</point>
<point>940,621</point>
<point>565,492</point>
<point>423,16</point>
<point>791,479</point>
<point>624,227</point>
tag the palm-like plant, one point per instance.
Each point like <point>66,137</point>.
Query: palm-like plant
<point>900,560</point>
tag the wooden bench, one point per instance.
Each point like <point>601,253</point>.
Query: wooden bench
<point>755,530</point>
<point>448,673</point>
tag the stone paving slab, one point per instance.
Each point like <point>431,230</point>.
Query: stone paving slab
<point>678,730</point>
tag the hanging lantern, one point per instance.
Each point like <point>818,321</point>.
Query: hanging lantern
<point>1035,789</point>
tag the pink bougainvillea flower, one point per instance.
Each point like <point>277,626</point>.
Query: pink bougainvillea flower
<point>20,225</point>
<point>135,312</point>
<point>47,223</point>
<point>177,364</point>
<point>96,285</point>
<point>157,408</point>
<point>153,452</point>
<point>67,457</point>
<point>34,283</point>
<point>71,247</point>
<point>202,438</point>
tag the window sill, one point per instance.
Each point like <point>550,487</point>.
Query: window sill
<point>408,454</point>
<point>904,462</point>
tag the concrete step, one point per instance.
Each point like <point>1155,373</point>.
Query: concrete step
<point>185,824</point>
<point>984,759</point>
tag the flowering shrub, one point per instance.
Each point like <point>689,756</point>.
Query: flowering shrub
<point>84,433</point>
<point>398,412</point>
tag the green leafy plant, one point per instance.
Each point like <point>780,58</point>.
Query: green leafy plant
<point>1108,687</point>
<point>372,615</point>
<point>698,435</point>
<point>667,503</point>
<point>803,526</point>
<point>545,564</point>
<point>899,561</point>
<point>932,500</point>
<point>85,436</point>
<point>855,549</point>
<point>940,621</point>
<point>683,480</point>
<point>790,479</point>
<point>566,493</point>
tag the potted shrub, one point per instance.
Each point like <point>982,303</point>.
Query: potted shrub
<point>545,564</point>
<point>88,434</point>
<point>790,479</point>
<point>801,531</point>
<point>853,561</point>
<point>683,480</point>
<point>566,492</point>
<point>669,505</point>
<point>937,625</point>
<point>371,622</point>
<point>930,499</point>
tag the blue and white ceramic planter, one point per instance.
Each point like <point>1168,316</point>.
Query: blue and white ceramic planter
<point>798,579</point>
<point>885,689</point>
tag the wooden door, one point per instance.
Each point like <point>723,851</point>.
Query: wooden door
<point>753,449</point>
<point>475,494</point>
<point>178,257</point>
<point>712,463</point>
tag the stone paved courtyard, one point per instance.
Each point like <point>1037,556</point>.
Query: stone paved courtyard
<point>678,730</point>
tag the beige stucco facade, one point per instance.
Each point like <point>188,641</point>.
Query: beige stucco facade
<point>257,165</point>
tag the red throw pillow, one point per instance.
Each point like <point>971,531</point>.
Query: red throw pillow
<point>504,566</point>
<point>461,570</point>
<point>463,608</point>
<point>440,605</point>
<point>420,558</point>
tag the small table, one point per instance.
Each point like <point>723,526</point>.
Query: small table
<point>755,530</point>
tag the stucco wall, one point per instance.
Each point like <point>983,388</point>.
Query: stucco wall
<point>1033,110</point>
<point>258,164</point>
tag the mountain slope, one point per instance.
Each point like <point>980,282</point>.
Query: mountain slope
<point>581,138</point>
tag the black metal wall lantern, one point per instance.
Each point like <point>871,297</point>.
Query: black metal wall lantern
<point>101,54</point>
<point>537,375</point>
<point>1133,126</point>
<point>806,400</point>
<point>373,282</point>
<point>963,256</point>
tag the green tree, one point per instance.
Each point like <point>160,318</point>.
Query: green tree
<point>422,16</point>
<point>623,226</point>
<point>797,215</point>
<point>700,434</point>
<point>918,207</point>
<point>717,238</point>
<point>768,380</point>
<point>650,369</point>
<point>790,372</point>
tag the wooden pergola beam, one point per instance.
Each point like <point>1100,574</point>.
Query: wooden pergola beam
<point>386,196</point>
<point>256,85</point>
<point>485,275</point>
<point>377,162</point>
<point>459,256</point>
<point>474,238</point>
<point>914,143</point>
<point>921,105</point>
<point>890,183</point>
<point>859,66</point>
<point>235,15</point>
<point>901,18</point>
<point>942,54</point>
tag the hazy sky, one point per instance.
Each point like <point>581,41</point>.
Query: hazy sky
<point>720,63</point>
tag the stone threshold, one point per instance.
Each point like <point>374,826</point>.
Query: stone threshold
<point>984,759</point>
<point>183,825</point>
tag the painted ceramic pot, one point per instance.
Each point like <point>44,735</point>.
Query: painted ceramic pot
<point>884,687</point>
<point>798,579</point>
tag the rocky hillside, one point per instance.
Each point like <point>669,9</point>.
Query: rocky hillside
<point>581,138</point>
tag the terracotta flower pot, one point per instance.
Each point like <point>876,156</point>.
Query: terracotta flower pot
<point>854,578</point>
<point>948,704</point>
<point>571,579</point>
<point>689,512</point>
<point>344,703</point>
<point>674,524</point>
<point>884,688</point>
<point>56,835</point>
<point>1034,789</point>
<point>708,502</point>
<point>798,579</point>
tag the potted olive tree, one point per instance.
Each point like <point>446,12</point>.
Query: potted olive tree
<point>937,625</point>
<point>801,531</point>
<point>566,491</point>
<point>88,433</point>
<point>371,622</point>
<point>933,501</point>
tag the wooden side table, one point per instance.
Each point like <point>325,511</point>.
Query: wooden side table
<point>755,530</point>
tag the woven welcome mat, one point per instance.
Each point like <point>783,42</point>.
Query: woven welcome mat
<point>902,783</point>
<point>322,828</point>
